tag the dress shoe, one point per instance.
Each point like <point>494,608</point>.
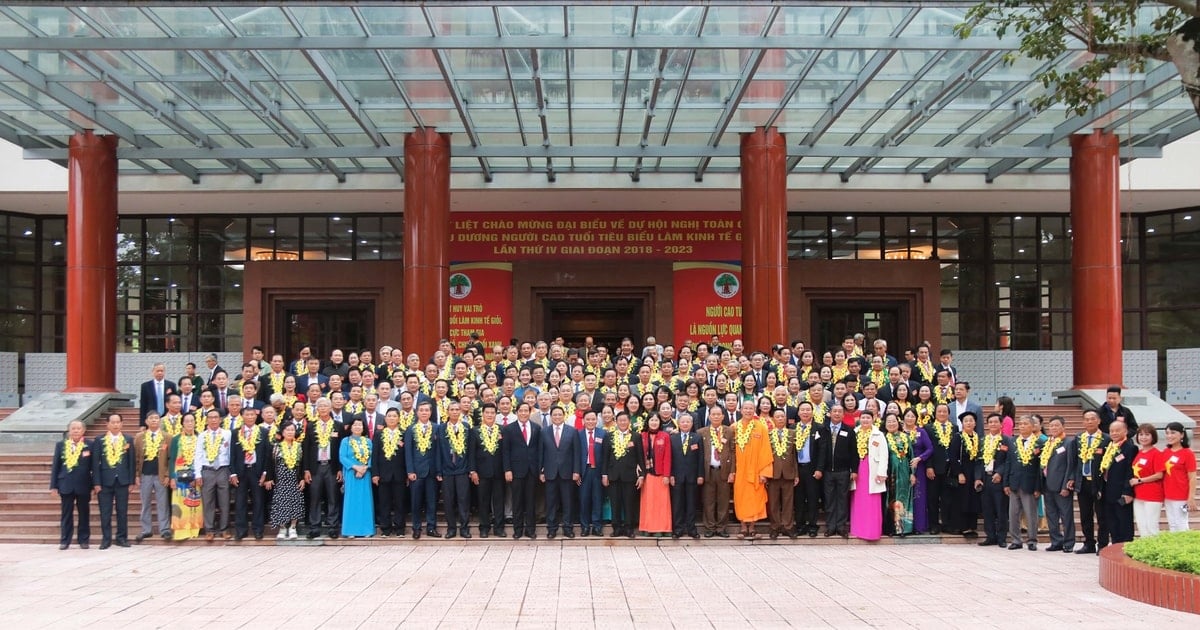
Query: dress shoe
<point>585,532</point>
<point>552,535</point>
<point>402,531</point>
<point>569,534</point>
<point>228,535</point>
<point>63,546</point>
<point>1032,546</point>
<point>774,535</point>
<point>416,533</point>
<point>105,545</point>
<point>258,535</point>
<point>630,534</point>
<point>433,533</point>
<point>1054,548</point>
<point>238,538</point>
<point>709,534</point>
<point>451,533</point>
<point>84,545</point>
<point>812,533</point>
<point>675,535</point>
<point>501,533</point>
<point>934,531</point>
<point>530,534</point>
<point>212,537</point>
<point>987,542</point>
<point>464,532</point>
<point>483,533</point>
<point>829,533</point>
<point>122,543</point>
<point>167,535</point>
<point>334,534</point>
<point>1001,544</point>
<point>312,533</point>
<point>141,537</point>
<point>596,531</point>
<point>723,534</point>
<point>615,533</point>
<point>1086,549</point>
<point>1068,548</point>
<point>793,534</point>
<point>695,535</point>
<point>1014,547</point>
<point>516,536</point>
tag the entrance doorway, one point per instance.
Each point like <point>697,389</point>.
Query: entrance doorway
<point>877,319</point>
<point>348,325</point>
<point>607,320</point>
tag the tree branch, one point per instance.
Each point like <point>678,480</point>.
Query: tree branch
<point>1131,49</point>
<point>1189,7</point>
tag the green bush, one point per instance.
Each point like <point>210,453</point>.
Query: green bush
<point>1177,551</point>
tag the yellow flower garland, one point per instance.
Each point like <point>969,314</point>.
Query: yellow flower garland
<point>290,454</point>
<point>971,441</point>
<point>1048,450</point>
<point>778,444</point>
<point>944,432</point>
<point>990,444</point>
<point>212,449</point>
<point>113,450</point>
<point>744,431</point>
<point>1025,447</point>
<point>924,413</point>
<point>187,450</point>
<point>861,438</point>
<point>153,442</point>
<point>391,442</point>
<point>361,447</point>
<point>173,425</point>
<point>72,451</point>
<point>458,439</point>
<point>620,445</point>
<point>685,442</point>
<point>324,433</point>
<point>1110,453</point>
<point>490,438</point>
<point>249,445</point>
<point>424,434</point>
<point>898,443</point>
<point>1088,445</point>
<point>802,433</point>
<point>406,420</point>
<point>715,438</point>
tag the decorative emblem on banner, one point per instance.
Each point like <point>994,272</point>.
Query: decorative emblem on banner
<point>726,285</point>
<point>460,286</point>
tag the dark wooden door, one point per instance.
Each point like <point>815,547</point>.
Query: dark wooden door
<point>347,325</point>
<point>832,321</point>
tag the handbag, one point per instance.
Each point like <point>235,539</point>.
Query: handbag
<point>185,475</point>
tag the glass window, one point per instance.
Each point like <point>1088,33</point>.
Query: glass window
<point>54,240</point>
<point>168,240</point>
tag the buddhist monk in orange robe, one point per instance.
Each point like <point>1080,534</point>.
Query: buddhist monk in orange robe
<point>752,464</point>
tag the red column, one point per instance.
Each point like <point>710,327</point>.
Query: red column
<point>764,238</point>
<point>1096,324</point>
<point>91,331</point>
<point>426,317</point>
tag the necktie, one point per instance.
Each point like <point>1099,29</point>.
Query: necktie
<point>833,435</point>
<point>223,405</point>
<point>159,391</point>
<point>524,433</point>
<point>591,443</point>
<point>557,435</point>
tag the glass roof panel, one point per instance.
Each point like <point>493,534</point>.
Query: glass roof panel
<point>462,20</point>
<point>327,20</point>
<point>670,21</point>
<point>188,21</point>
<point>744,20</point>
<point>265,20</point>
<point>605,20</point>
<point>531,20</point>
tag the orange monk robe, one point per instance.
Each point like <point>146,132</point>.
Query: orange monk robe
<point>750,463</point>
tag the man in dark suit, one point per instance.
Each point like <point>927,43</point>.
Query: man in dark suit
<point>249,455</point>
<point>371,415</point>
<point>810,462</point>
<point>947,444</point>
<point>221,391</point>
<point>250,398</point>
<point>990,470</point>
<point>72,482</point>
<point>560,473</point>
<point>488,473</point>
<point>313,375</point>
<point>841,467</point>
<point>591,493</point>
<point>784,476</point>
<point>153,396</point>
<point>1022,484</point>
<point>687,474</point>
<point>1091,444</point>
<point>456,460</point>
<point>189,398</point>
<point>1116,492</point>
<point>421,462</point>
<point>621,474</point>
<point>323,471</point>
<point>389,477</point>
<point>1062,468</point>
<point>112,472</point>
<point>520,444</point>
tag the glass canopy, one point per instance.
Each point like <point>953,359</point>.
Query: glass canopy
<point>615,87</point>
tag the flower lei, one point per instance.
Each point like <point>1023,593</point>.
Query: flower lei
<point>620,445</point>
<point>424,435</point>
<point>229,425</point>
<point>685,442</point>
<point>898,442</point>
<point>362,449</point>
<point>72,451</point>
<point>1048,450</point>
<point>926,372</point>
<point>819,414</point>
<point>942,397</point>
<point>489,436</point>
<point>290,453</point>
<point>405,419</point>
<point>840,373</point>
<point>924,413</point>
<point>277,381</point>
<point>944,432</point>
<point>971,442</point>
<point>212,449</point>
<point>458,439</point>
<point>778,444</point>
<point>1110,453</point>
<point>391,442</point>
<point>113,450</point>
<point>990,444</point>
<point>879,379</point>
<point>715,438</point>
<point>802,433</point>
<point>173,425</point>
<point>272,431</point>
<point>187,451</point>
<point>248,445</point>
<point>1087,446</point>
<point>324,432</point>
<point>861,438</point>
<point>153,442</point>
<point>1025,448</point>
<point>744,431</point>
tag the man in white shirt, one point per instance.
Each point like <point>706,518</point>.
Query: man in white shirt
<point>211,464</point>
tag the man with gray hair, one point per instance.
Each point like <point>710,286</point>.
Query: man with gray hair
<point>153,396</point>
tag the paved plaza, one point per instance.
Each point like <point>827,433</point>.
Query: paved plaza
<point>504,585</point>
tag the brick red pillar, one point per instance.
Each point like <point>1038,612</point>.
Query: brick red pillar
<point>1096,317</point>
<point>426,316</point>
<point>91,323</point>
<point>764,238</point>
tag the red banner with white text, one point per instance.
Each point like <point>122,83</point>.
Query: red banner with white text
<point>708,301</point>
<point>481,302</point>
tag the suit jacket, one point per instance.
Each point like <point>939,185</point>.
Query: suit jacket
<point>249,473</point>
<point>596,446</point>
<point>107,476</point>
<point>784,466</point>
<point>726,456</point>
<point>842,456</point>
<point>944,458</point>
<point>139,453</point>
<point>1120,471</point>
<point>1018,476</point>
<point>312,449</point>
<point>818,446</point>
<point>148,398</point>
<point>627,467</point>
<point>450,463</point>
<point>1063,467</point>
<point>425,464</point>
<point>1108,416</point>
<point>562,461</point>
<point>999,460</point>
<point>371,425</point>
<point>264,387</point>
<point>388,469</point>
<point>190,401</point>
<point>489,465</point>
<point>216,392</point>
<point>302,382</point>
<point>77,481</point>
<point>521,459</point>
<point>972,406</point>
<point>1097,455</point>
<point>687,465</point>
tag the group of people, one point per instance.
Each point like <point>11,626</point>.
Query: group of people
<point>661,442</point>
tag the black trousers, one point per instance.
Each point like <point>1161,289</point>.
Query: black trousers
<point>837,500</point>
<point>491,504</point>
<point>1091,513</point>
<point>805,498</point>
<point>995,511</point>
<point>324,487</point>
<point>393,506</point>
<point>934,509</point>
<point>250,500</point>
<point>423,493</point>
<point>683,507</point>
<point>72,504</point>
<point>110,496</point>
<point>1119,519</point>
<point>621,496</point>
<point>560,504</point>
<point>524,519</point>
<point>456,500</point>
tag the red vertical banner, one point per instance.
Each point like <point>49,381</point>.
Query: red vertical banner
<point>481,302</point>
<point>708,301</point>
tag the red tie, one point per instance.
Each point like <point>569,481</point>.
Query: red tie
<point>222,399</point>
<point>557,436</point>
<point>524,434</point>
<point>590,445</point>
